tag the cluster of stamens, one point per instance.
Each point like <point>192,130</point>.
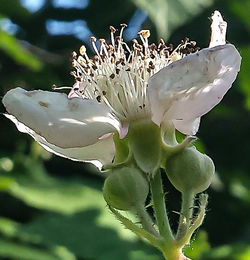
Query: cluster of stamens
<point>117,75</point>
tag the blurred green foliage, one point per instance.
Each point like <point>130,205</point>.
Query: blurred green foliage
<point>52,208</point>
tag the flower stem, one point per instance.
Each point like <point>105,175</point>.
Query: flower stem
<point>134,228</point>
<point>158,201</point>
<point>197,221</point>
<point>186,214</point>
<point>174,254</point>
<point>145,219</point>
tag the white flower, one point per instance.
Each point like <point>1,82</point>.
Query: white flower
<point>122,84</point>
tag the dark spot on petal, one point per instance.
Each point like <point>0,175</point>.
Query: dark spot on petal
<point>73,106</point>
<point>43,104</point>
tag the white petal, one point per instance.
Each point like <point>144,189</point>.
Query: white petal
<point>190,87</point>
<point>66,123</point>
<point>218,30</point>
<point>100,153</point>
<point>187,127</point>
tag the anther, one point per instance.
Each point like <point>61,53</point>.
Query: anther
<point>152,67</point>
<point>74,55</point>
<point>112,29</point>
<point>86,69</point>
<point>193,43</point>
<point>92,39</point>
<point>82,50</point>
<point>98,98</point>
<point>144,33</point>
<point>102,41</point>
<point>112,76</point>
<point>118,38</point>
<point>161,41</point>
<point>94,67</point>
<point>123,25</point>
<point>95,58</point>
<point>166,52</point>
<point>152,47</point>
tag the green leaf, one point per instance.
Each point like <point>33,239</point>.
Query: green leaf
<point>13,48</point>
<point>14,9</point>
<point>228,252</point>
<point>76,219</point>
<point>86,235</point>
<point>18,251</point>
<point>8,227</point>
<point>244,78</point>
<point>243,13</point>
<point>6,182</point>
<point>198,246</point>
<point>55,195</point>
<point>170,14</point>
<point>239,187</point>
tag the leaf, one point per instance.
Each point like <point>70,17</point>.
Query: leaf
<point>76,217</point>
<point>14,9</point>
<point>170,14</point>
<point>8,227</point>
<point>85,235</point>
<point>18,251</point>
<point>228,252</point>
<point>13,48</point>
<point>243,13</point>
<point>198,246</point>
<point>244,78</point>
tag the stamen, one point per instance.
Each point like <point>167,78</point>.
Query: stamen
<point>54,87</point>
<point>117,76</point>
<point>93,41</point>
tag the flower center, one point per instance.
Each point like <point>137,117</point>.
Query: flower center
<point>117,75</point>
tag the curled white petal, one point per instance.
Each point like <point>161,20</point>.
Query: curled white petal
<point>66,123</point>
<point>192,86</point>
<point>100,153</point>
<point>218,30</point>
<point>188,127</point>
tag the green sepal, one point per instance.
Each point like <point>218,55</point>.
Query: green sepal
<point>145,143</point>
<point>121,149</point>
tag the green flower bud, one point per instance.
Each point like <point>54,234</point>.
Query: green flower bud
<point>125,188</point>
<point>190,170</point>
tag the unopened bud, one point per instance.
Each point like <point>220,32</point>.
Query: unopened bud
<point>190,170</point>
<point>125,188</point>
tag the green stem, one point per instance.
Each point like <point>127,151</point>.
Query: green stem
<point>134,228</point>
<point>197,221</point>
<point>158,200</point>
<point>174,254</point>
<point>145,219</point>
<point>186,214</point>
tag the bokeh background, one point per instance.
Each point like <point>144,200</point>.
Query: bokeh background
<point>52,208</point>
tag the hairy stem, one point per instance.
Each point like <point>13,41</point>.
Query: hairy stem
<point>145,219</point>
<point>186,214</point>
<point>158,201</point>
